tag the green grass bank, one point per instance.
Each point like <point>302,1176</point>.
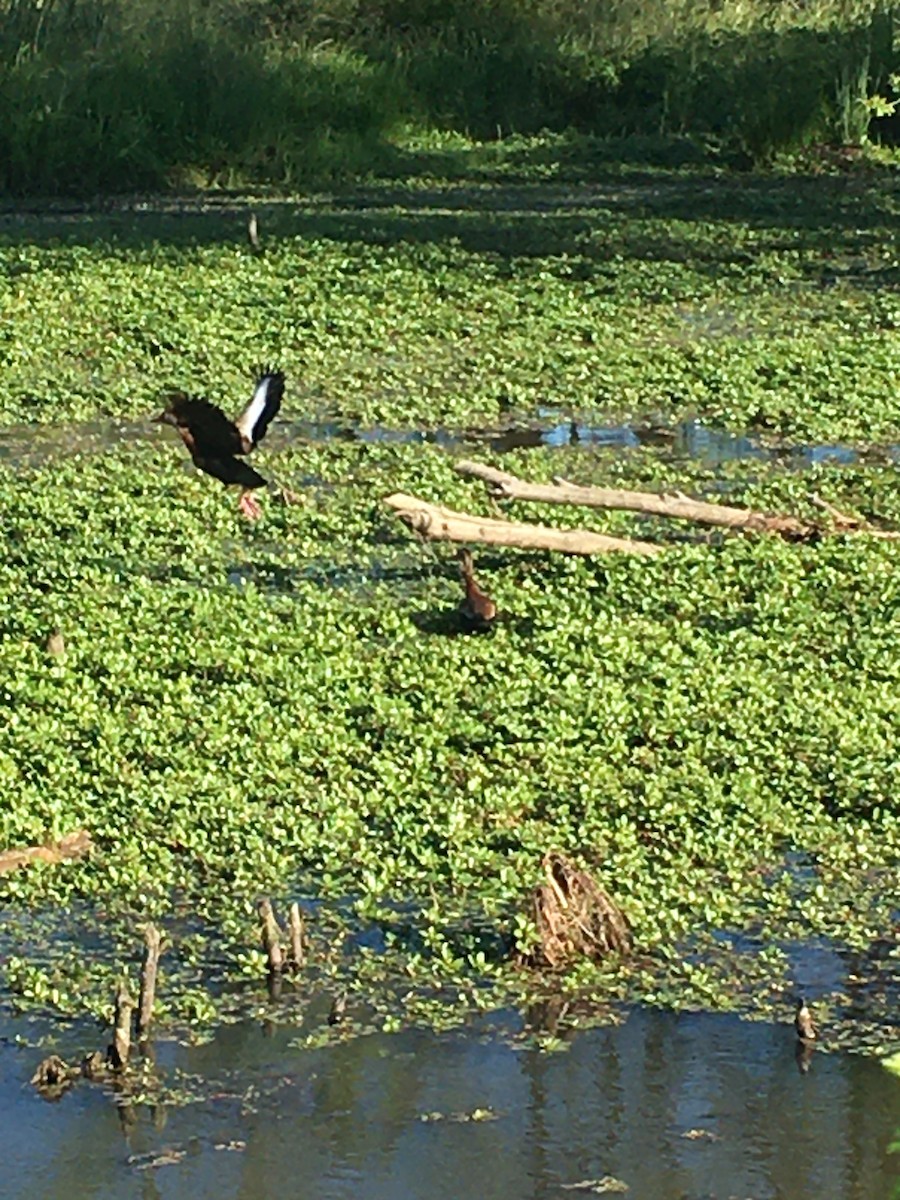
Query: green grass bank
<point>114,97</point>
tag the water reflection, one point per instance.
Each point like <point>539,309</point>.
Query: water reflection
<point>674,1106</point>
<point>690,439</point>
<point>717,446</point>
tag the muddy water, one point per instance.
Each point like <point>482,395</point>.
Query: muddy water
<point>673,1107</point>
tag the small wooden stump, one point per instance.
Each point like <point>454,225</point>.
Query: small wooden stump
<point>56,644</point>
<point>93,1066</point>
<point>575,917</point>
<point>338,1009</point>
<point>152,950</point>
<point>297,954</point>
<point>271,936</point>
<point>253,237</point>
<point>52,1077</point>
<point>120,1047</point>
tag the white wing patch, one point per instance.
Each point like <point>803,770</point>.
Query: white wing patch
<point>254,420</point>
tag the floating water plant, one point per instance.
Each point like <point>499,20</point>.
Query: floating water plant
<point>278,709</point>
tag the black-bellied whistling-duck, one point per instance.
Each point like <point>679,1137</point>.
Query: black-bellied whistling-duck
<point>807,1030</point>
<point>477,611</point>
<point>215,442</point>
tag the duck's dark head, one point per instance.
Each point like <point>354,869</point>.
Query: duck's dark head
<point>464,558</point>
<point>168,415</point>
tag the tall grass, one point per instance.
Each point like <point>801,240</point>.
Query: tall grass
<point>114,95</point>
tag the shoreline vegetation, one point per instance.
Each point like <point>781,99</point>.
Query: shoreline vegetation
<point>118,97</point>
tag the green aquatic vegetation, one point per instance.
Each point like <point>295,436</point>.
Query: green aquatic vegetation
<point>244,92</point>
<point>279,708</point>
<point>449,302</point>
<point>259,708</point>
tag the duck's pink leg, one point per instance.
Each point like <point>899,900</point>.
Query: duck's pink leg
<point>249,506</point>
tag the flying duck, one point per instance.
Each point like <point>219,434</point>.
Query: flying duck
<point>477,610</point>
<point>215,442</point>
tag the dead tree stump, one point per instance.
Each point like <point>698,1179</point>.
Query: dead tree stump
<point>575,917</point>
<point>271,936</point>
<point>52,1076</point>
<point>297,955</point>
<point>120,1048</point>
<point>152,950</point>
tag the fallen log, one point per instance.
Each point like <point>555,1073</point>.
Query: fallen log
<point>443,524</point>
<point>503,486</point>
<point>73,845</point>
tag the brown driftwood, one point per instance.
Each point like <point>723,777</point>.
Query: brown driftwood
<point>73,845</point>
<point>575,917</point>
<point>152,949</point>
<point>504,486</point>
<point>443,524</point>
<point>841,522</point>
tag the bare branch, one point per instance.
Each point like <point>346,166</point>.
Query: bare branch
<point>502,485</point>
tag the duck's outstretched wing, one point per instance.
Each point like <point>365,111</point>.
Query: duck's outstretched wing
<point>259,413</point>
<point>204,427</point>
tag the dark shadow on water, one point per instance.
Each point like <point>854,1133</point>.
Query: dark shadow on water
<point>449,623</point>
<point>440,623</point>
<point>272,576</point>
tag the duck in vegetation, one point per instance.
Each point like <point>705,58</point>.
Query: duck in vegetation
<point>56,644</point>
<point>217,444</point>
<point>477,611</point>
<point>807,1030</point>
<point>338,1009</point>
